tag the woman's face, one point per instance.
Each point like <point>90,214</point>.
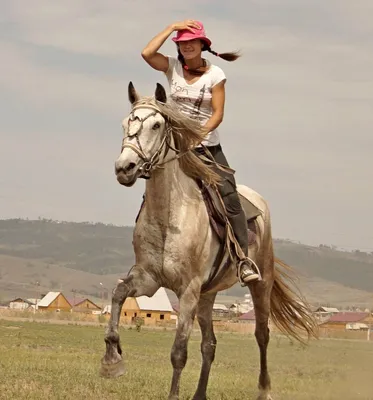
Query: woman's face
<point>191,48</point>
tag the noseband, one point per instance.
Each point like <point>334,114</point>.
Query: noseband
<point>151,162</point>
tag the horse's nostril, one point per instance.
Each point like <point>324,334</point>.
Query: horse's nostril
<point>126,169</point>
<point>130,167</point>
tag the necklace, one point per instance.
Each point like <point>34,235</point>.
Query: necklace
<point>201,68</point>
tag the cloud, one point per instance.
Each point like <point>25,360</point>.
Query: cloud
<point>298,113</point>
<point>40,84</point>
<point>99,27</point>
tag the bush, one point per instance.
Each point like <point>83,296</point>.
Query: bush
<point>139,323</point>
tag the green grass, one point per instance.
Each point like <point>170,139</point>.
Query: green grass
<point>45,361</point>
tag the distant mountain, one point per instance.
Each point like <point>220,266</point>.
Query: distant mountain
<point>68,255</point>
<point>95,248</point>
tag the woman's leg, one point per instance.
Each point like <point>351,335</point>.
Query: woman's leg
<point>235,213</point>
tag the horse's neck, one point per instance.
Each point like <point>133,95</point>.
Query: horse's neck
<point>170,193</point>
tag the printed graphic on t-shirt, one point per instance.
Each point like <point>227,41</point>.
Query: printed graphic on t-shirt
<point>198,102</point>
<point>188,100</point>
<point>175,88</point>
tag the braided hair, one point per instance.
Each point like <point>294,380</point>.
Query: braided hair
<point>230,56</point>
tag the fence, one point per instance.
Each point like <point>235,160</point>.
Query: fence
<point>344,334</point>
<point>219,326</point>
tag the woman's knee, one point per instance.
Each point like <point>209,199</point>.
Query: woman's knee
<point>232,203</point>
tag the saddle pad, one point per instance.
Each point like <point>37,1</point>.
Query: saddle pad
<point>251,211</point>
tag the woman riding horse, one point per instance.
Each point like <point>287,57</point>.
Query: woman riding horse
<point>198,88</point>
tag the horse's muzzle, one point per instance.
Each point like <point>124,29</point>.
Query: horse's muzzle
<point>126,176</point>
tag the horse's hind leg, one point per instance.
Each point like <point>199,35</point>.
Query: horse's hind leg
<point>261,294</point>
<point>208,344</point>
<point>179,353</point>
<point>137,283</point>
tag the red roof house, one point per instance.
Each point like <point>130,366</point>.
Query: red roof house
<point>248,317</point>
<point>342,319</point>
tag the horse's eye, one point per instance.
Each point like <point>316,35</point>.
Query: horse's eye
<point>156,126</point>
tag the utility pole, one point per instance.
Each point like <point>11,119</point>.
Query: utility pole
<point>37,284</point>
<point>369,326</point>
<point>74,291</point>
<point>102,296</point>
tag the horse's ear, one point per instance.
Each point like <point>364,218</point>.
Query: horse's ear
<point>160,94</point>
<point>132,94</point>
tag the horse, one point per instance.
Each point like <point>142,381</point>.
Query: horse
<point>175,245</point>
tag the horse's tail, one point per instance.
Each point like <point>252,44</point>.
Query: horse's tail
<point>289,310</point>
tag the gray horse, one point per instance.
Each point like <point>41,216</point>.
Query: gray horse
<point>175,246</point>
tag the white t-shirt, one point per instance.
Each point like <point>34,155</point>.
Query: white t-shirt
<point>195,99</point>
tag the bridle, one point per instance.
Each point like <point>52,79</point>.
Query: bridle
<point>152,162</point>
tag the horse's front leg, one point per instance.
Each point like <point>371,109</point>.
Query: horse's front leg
<point>179,353</point>
<point>208,345</point>
<point>137,283</point>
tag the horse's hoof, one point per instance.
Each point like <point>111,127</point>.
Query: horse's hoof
<point>264,395</point>
<point>112,370</point>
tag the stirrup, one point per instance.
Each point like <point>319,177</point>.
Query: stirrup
<point>255,276</point>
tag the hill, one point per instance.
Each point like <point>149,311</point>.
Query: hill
<point>32,278</point>
<point>67,255</point>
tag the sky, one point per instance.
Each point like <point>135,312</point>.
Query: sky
<point>298,117</point>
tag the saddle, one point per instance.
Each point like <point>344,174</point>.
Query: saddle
<point>217,217</point>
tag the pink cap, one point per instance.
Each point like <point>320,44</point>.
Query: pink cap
<point>185,35</point>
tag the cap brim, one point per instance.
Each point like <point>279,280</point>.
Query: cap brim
<point>204,39</point>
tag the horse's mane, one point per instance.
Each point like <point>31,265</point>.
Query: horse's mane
<point>187,134</point>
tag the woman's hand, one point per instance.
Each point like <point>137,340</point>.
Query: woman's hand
<point>188,24</point>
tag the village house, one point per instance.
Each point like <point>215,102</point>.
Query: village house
<point>54,301</point>
<point>327,310</point>
<point>20,304</point>
<point>349,321</point>
<point>247,318</point>
<point>220,310</point>
<point>322,313</point>
<point>34,302</point>
<point>154,310</point>
<point>242,307</point>
<point>85,306</point>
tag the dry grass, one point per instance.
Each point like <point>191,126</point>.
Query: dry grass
<point>45,361</point>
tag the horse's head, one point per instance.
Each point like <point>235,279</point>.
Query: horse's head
<point>146,138</point>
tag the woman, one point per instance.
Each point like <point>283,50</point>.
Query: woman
<point>198,87</point>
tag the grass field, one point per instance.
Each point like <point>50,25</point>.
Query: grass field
<point>45,361</point>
